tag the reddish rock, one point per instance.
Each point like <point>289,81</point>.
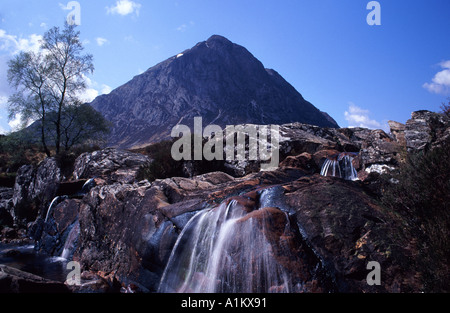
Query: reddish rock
<point>302,161</point>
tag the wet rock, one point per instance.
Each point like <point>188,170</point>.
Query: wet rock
<point>51,235</point>
<point>15,281</point>
<point>321,156</point>
<point>72,187</point>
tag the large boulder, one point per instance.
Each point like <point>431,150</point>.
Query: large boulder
<point>348,229</point>
<point>398,132</point>
<point>53,235</point>
<point>124,231</point>
<point>110,164</point>
<point>34,189</point>
<point>424,128</point>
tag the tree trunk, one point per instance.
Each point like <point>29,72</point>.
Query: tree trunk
<point>58,132</point>
<point>47,151</point>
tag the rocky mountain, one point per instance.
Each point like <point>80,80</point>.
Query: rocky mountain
<point>216,79</point>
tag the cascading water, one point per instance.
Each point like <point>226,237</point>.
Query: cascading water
<point>234,247</point>
<point>49,239</point>
<point>340,165</point>
<point>71,241</point>
<point>52,205</point>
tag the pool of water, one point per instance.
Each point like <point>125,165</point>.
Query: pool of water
<point>25,258</point>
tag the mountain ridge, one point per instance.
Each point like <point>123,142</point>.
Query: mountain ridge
<point>216,79</point>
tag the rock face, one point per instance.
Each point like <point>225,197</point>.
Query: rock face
<point>110,164</point>
<point>34,189</point>
<point>348,229</point>
<point>423,129</point>
<point>218,80</point>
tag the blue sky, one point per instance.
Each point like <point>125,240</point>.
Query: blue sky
<point>361,75</point>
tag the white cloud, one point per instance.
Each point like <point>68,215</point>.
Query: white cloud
<point>93,90</point>
<point>105,89</point>
<point>13,45</point>
<point>358,117</point>
<point>101,41</point>
<point>124,7</point>
<point>3,101</point>
<point>3,104</point>
<point>182,28</point>
<point>440,83</point>
<point>16,123</point>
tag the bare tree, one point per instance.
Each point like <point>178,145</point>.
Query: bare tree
<point>445,107</point>
<point>49,82</point>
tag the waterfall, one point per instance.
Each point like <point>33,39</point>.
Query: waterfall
<point>233,248</point>
<point>52,205</point>
<point>340,165</point>
<point>71,241</point>
<point>88,185</point>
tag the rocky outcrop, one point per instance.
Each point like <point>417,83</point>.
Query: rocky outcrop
<point>110,164</point>
<point>125,230</point>
<point>423,130</point>
<point>34,189</point>
<point>129,230</point>
<point>398,132</point>
<point>348,229</point>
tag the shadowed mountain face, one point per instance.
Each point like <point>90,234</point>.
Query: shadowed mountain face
<point>218,80</point>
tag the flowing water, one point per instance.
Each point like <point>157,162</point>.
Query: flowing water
<point>231,248</point>
<point>27,259</point>
<point>71,242</point>
<point>341,166</point>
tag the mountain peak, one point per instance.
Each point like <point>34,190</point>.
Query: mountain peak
<point>218,80</point>
<point>218,38</point>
